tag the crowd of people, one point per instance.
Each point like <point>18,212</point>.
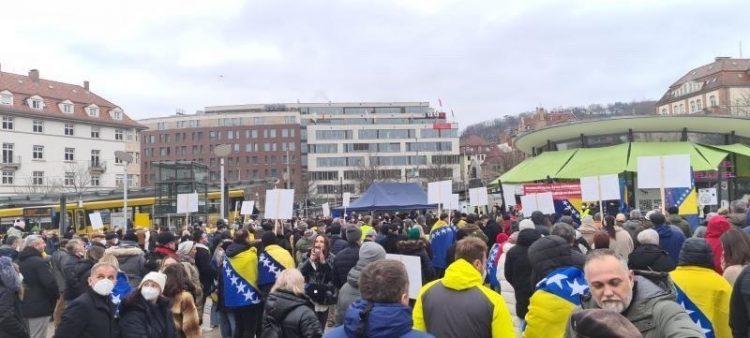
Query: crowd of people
<point>496,275</point>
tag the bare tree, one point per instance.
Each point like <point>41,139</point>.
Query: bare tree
<point>741,105</point>
<point>31,186</point>
<point>77,179</point>
<point>366,173</point>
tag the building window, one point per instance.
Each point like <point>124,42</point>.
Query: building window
<point>36,102</point>
<point>692,106</point>
<point>712,101</point>
<point>8,122</point>
<point>37,178</point>
<point>161,125</point>
<point>118,134</point>
<point>8,177</point>
<point>95,158</point>
<point>119,180</point>
<point>8,152</point>
<point>38,126</point>
<point>70,179</point>
<point>116,114</point>
<point>6,98</point>
<point>92,110</point>
<point>38,153</point>
<point>66,107</point>
<point>69,129</point>
<point>70,154</point>
<point>95,132</point>
<point>699,104</point>
<point>95,180</point>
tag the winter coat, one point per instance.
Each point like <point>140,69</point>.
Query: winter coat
<point>294,315</point>
<point>670,239</point>
<point>491,229</point>
<point>622,243</point>
<point>419,249</point>
<point>337,244</point>
<point>650,257</point>
<point>185,315</point>
<point>15,231</point>
<point>654,312</point>
<point>77,282</point>
<point>738,219</point>
<point>506,289</point>
<point>384,320</point>
<point>681,223</point>
<point>194,277</point>
<point>206,271</point>
<point>345,260</point>
<point>473,230</point>
<point>633,227</point>
<point>154,259</point>
<point>371,252</point>
<point>7,251</point>
<point>587,232</point>
<point>549,253</point>
<point>132,261</point>
<point>739,306</point>
<point>709,292</point>
<point>142,319</point>
<point>12,323</point>
<point>318,274</point>
<point>89,315</point>
<point>302,248</point>
<point>61,262</point>
<point>389,242</point>
<point>518,269</point>
<point>458,305</point>
<point>41,291</point>
<point>716,227</point>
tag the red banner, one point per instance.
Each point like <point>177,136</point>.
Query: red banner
<point>558,190</point>
<point>442,125</point>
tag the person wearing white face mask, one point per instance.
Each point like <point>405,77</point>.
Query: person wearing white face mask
<point>92,313</point>
<point>146,313</point>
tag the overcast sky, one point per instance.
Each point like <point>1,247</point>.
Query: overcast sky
<point>483,59</point>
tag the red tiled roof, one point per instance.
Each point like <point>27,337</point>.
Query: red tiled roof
<point>721,72</point>
<point>22,87</point>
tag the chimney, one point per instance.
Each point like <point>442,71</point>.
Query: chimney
<point>34,75</point>
<point>86,85</point>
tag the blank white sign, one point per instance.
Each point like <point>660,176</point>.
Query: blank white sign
<point>509,194</point>
<point>279,204</point>
<point>96,220</point>
<point>326,209</point>
<point>671,171</point>
<point>187,203</point>
<point>607,185</point>
<point>346,199</point>
<point>538,202</point>
<point>413,271</point>
<point>439,192</point>
<point>478,196</point>
<point>247,207</point>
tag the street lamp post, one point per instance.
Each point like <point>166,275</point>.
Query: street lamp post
<point>222,151</point>
<point>126,158</point>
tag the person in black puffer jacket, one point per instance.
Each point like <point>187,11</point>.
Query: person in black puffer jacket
<point>648,255</point>
<point>415,246</point>
<point>739,305</point>
<point>76,283</point>
<point>289,309</point>
<point>12,324</point>
<point>550,253</point>
<point>337,243</point>
<point>147,318</point>
<point>41,290</point>
<point>392,236</point>
<point>518,268</point>
<point>347,258</point>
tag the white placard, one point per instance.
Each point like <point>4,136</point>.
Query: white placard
<point>478,196</point>
<point>96,220</point>
<point>509,194</point>
<point>247,207</point>
<point>326,209</point>
<point>452,203</point>
<point>439,192</point>
<point>279,204</point>
<point>413,271</point>
<point>187,203</point>
<point>346,198</point>
<point>672,171</point>
<point>600,188</point>
<point>542,202</point>
<point>707,196</point>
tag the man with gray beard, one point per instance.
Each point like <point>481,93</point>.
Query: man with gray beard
<point>650,308</point>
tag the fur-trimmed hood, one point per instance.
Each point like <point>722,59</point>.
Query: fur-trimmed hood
<point>122,252</point>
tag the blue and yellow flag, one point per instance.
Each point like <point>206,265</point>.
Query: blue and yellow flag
<point>442,237</point>
<point>705,296</point>
<point>272,261</point>
<point>554,300</point>
<point>491,266</point>
<point>240,278</point>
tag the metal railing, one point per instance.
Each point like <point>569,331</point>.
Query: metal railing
<point>10,162</point>
<point>97,166</point>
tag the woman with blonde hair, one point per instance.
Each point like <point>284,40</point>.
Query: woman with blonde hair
<point>289,310</point>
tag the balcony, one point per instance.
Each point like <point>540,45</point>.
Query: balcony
<point>97,167</point>
<point>10,162</point>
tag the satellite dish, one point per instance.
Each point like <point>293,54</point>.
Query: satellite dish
<point>222,150</point>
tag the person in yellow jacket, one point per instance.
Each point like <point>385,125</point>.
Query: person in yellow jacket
<point>458,305</point>
<point>703,293</point>
<point>366,227</point>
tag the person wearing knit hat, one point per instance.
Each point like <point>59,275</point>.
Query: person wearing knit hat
<point>526,224</point>
<point>416,245</point>
<point>648,255</point>
<point>603,324</point>
<point>347,258</point>
<point>145,312</point>
<point>368,253</point>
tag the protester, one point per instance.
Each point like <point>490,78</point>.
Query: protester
<point>92,313</point>
<point>12,323</point>
<point>541,222</point>
<point>587,229</point>
<point>347,258</point>
<point>238,288</point>
<point>77,282</point>
<point>18,229</point>
<point>559,286</point>
<point>63,262</point>
<point>700,290</point>
<point>202,258</point>
<point>146,313</point>
<point>507,290</point>
<point>493,258</point>
<point>674,219</point>
<point>273,260</point>
<point>367,226</point>
<point>414,245</point>
<point>716,227</point>
<point>122,287</point>
<point>390,238</point>
<point>619,239</point>
<point>166,247</point>
<point>670,239</point>
<point>739,307</point>
<point>518,268</point>
<point>303,245</point>
<point>184,311</point>
<point>369,252</point>
<point>337,242</point>
<point>131,258</point>
<point>186,257</point>
<point>442,237</point>
<point>634,224</point>
<point>601,240</point>
<point>40,288</point>
<point>288,310</point>
<point>648,255</point>
<point>482,311</point>
<point>11,246</point>
<point>738,216</point>
<point>650,308</point>
<point>490,227</point>
<point>603,324</point>
<point>384,309</point>
<point>473,230</point>
<point>736,250</point>
<point>318,273</point>
<point>567,232</point>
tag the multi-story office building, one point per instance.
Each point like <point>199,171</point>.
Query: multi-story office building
<point>59,137</point>
<point>346,146</point>
<point>264,145</point>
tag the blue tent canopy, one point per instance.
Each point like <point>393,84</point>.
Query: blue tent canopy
<point>391,196</point>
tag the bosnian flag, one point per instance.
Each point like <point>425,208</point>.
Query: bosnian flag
<point>271,262</point>
<point>240,277</point>
<point>442,237</point>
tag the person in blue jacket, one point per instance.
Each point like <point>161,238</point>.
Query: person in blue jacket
<point>670,237</point>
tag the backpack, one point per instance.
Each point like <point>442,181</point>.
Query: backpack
<point>272,325</point>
